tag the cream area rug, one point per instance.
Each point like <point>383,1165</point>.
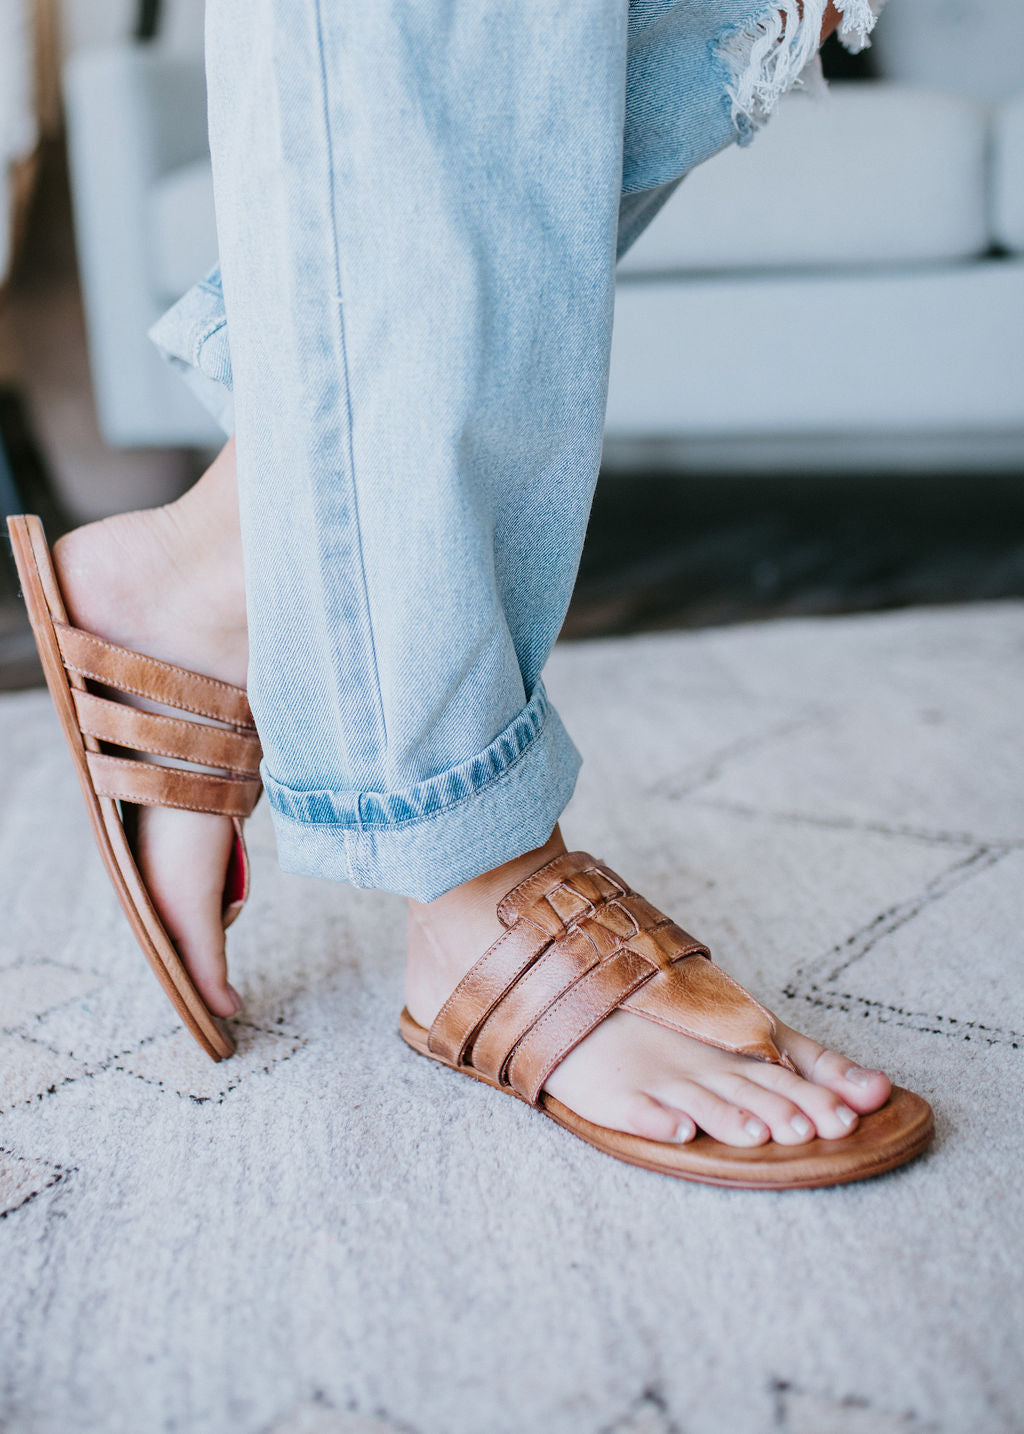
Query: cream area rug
<point>329,1235</point>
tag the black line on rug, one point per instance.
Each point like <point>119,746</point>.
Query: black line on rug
<point>708,769</point>
<point>866,938</point>
<point>60,1174</point>
<point>852,824</point>
<point>218,1097</point>
<point>922,1021</point>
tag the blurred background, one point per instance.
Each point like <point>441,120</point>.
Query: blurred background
<point>817,393</point>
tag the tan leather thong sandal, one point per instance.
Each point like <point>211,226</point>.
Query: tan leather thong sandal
<point>578,944</point>
<point>103,733</point>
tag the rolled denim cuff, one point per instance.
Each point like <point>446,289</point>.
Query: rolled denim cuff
<point>193,337</point>
<point>428,838</point>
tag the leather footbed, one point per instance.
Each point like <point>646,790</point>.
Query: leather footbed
<point>45,605</point>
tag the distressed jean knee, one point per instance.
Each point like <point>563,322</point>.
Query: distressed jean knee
<point>777,49</point>
<point>704,74</point>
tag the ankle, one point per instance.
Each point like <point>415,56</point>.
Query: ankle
<point>155,581</point>
<point>203,564</point>
<point>446,936</point>
<point>206,538</point>
<point>482,893</point>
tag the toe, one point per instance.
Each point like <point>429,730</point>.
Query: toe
<point>642,1115</point>
<point>721,1119</point>
<point>207,965</point>
<point>859,1089</point>
<point>822,1107</point>
<point>182,857</point>
<point>788,1122</point>
<point>200,943</point>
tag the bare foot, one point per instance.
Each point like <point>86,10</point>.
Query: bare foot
<point>632,1075</point>
<point>168,582</point>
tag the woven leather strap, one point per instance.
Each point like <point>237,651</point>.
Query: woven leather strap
<point>217,737</point>
<point>168,736</point>
<point>579,944</point>
<point>150,785</point>
<point>129,671</point>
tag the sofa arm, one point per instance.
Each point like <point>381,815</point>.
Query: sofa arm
<point>133,114</point>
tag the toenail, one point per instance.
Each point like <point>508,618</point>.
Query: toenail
<point>801,1125</point>
<point>858,1076</point>
<point>754,1129</point>
<point>685,1131</point>
<point>846,1115</point>
<point>236,998</point>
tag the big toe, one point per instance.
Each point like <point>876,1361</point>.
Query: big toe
<point>862,1088</point>
<point>206,963</point>
<point>183,858</point>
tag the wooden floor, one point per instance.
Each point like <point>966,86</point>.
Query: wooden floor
<point>683,551</point>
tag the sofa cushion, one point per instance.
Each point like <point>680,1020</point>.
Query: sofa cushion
<point>970,47</point>
<point>867,174</point>
<point>182,228</point>
<point>1008,177</point>
<point>929,350</point>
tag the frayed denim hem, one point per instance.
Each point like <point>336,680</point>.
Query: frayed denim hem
<point>423,841</point>
<point>778,51</point>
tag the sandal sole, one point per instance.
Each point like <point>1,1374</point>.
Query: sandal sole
<point>45,605</point>
<point>882,1141</point>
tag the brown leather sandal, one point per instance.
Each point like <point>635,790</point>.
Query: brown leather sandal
<point>75,663</point>
<point>578,945</point>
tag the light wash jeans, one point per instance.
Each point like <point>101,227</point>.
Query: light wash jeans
<point>419,208</point>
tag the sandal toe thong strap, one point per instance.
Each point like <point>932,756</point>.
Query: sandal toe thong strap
<point>223,738</point>
<point>579,944</point>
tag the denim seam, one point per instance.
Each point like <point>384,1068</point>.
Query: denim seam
<point>361,826</point>
<point>211,286</point>
<point>205,335</point>
<point>332,193</point>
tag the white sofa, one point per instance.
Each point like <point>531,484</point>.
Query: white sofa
<point>831,296</point>
<point>848,291</point>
